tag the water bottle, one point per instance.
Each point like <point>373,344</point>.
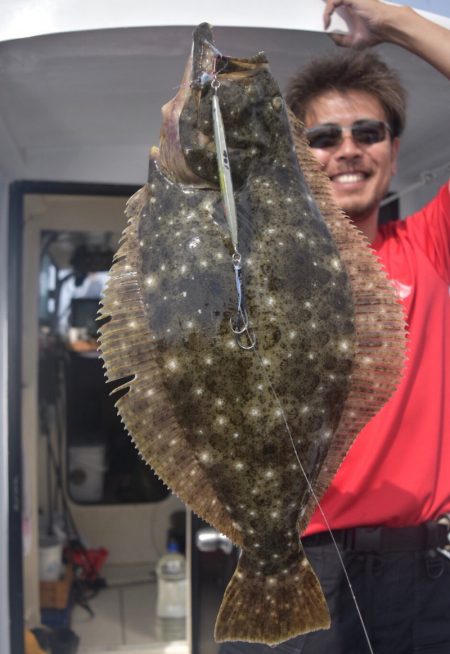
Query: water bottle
<point>171,597</point>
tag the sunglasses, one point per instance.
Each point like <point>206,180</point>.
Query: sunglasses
<point>364,132</point>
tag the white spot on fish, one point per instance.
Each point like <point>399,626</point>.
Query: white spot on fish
<point>151,280</point>
<point>274,514</point>
<point>172,364</point>
<point>343,345</point>
<point>205,457</point>
<point>336,264</point>
<point>194,242</point>
<point>208,361</point>
<point>269,474</point>
<point>239,465</point>
<point>150,392</point>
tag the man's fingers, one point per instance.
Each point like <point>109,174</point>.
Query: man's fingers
<point>342,39</point>
<point>330,8</point>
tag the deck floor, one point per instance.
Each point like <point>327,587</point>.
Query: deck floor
<point>125,620</point>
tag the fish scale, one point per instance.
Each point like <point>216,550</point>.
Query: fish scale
<point>209,417</point>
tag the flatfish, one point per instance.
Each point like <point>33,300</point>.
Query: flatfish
<point>247,438</point>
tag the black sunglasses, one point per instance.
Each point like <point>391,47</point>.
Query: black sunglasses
<point>364,131</point>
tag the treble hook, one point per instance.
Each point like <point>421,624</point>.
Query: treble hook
<point>240,327</point>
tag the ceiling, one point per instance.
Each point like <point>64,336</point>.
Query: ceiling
<point>85,106</point>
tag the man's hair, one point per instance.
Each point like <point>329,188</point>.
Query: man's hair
<point>349,71</point>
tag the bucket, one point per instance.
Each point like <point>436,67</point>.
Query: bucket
<point>86,472</point>
<point>50,558</point>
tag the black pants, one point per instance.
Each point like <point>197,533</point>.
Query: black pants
<point>404,599</point>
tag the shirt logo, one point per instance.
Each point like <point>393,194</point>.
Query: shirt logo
<point>403,290</point>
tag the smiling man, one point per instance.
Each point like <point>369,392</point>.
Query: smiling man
<point>389,503</point>
<point>356,146</point>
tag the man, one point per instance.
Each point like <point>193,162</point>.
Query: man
<point>385,501</point>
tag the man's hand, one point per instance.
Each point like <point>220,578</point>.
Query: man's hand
<point>367,21</point>
<point>372,22</point>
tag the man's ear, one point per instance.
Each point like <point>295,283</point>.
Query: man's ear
<point>395,146</point>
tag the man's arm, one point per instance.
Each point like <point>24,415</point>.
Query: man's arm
<point>375,22</point>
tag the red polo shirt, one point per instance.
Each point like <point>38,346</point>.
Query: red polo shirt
<point>397,472</point>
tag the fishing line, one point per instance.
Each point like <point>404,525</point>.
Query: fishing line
<point>240,326</point>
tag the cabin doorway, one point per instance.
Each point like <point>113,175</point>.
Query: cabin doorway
<point>90,506</point>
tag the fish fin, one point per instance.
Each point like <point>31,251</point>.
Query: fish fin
<point>380,326</point>
<point>125,346</point>
<point>271,609</point>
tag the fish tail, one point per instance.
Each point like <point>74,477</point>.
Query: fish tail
<point>271,609</point>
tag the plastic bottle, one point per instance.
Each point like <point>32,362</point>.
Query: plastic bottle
<point>171,598</point>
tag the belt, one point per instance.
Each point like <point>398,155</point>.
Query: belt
<point>424,537</point>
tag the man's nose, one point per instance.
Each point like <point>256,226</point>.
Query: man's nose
<point>348,147</point>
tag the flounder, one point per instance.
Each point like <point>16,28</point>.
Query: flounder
<point>234,431</point>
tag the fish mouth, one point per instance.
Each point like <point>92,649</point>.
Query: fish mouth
<point>187,152</point>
